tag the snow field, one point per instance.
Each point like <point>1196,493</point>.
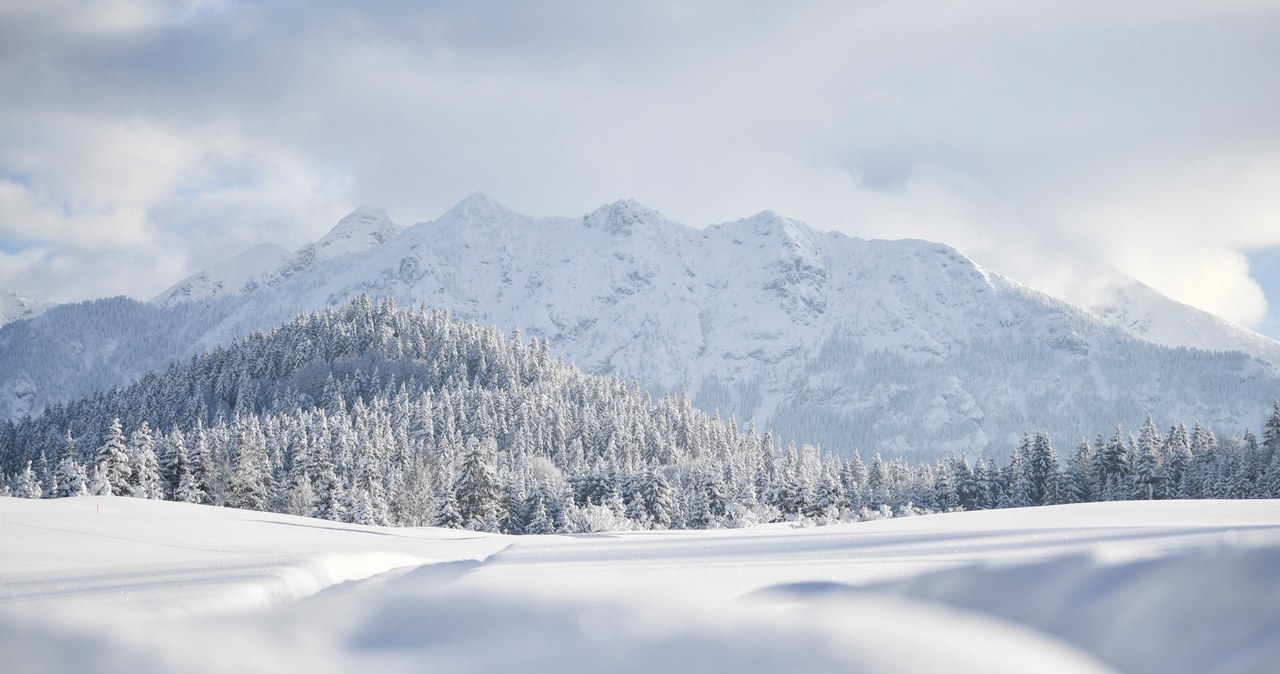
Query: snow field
<point>1185,586</point>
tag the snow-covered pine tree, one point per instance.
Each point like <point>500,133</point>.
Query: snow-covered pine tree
<point>1148,477</point>
<point>298,492</point>
<point>985,477</point>
<point>476,488</point>
<point>70,478</point>
<point>202,468</point>
<point>447,515</point>
<point>964,482</point>
<point>44,474</point>
<point>1273,476</point>
<point>659,499</point>
<point>1177,453</point>
<point>113,462</point>
<point>854,480</point>
<point>1042,471</point>
<point>25,485</point>
<point>251,481</point>
<point>168,448</point>
<point>1016,486</point>
<point>1271,432</point>
<point>1078,484</point>
<point>1112,467</point>
<point>828,494</point>
<point>145,478</point>
<point>878,486</point>
<point>708,505</point>
<point>538,520</point>
<point>368,488</point>
<point>99,485</point>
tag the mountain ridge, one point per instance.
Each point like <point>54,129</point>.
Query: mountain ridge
<point>894,346</point>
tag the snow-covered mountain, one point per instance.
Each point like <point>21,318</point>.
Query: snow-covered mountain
<point>905,347</point>
<point>365,228</point>
<point>268,263</point>
<point>228,276</point>
<point>14,306</point>
<point>1145,313</point>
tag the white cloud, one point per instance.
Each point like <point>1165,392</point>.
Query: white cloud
<point>129,207</point>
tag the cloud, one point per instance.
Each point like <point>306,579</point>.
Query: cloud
<point>128,207</point>
<point>1054,141</point>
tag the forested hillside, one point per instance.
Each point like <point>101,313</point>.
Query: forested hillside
<point>376,415</point>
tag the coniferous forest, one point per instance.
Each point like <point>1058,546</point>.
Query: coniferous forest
<point>376,415</point>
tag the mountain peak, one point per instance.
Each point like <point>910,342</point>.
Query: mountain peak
<point>1149,315</point>
<point>621,217</point>
<point>478,206</point>
<point>768,222</point>
<point>365,225</point>
<point>14,306</point>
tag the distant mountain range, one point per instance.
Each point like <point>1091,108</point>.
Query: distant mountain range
<point>904,347</point>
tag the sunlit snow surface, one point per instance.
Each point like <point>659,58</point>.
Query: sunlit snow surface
<point>111,584</point>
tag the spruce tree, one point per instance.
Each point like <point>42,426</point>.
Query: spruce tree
<point>188,489</point>
<point>251,480</point>
<point>1016,477</point>
<point>476,488</point>
<point>1043,471</point>
<point>113,462</point>
<point>538,520</point>
<point>69,477</point>
<point>99,485</point>
<point>1177,452</point>
<point>1273,477</point>
<point>173,461</point>
<point>1148,479</point>
<point>1112,461</point>
<point>1078,487</point>
<point>1271,432</point>
<point>26,485</point>
<point>145,478</point>
<point>659,499</point>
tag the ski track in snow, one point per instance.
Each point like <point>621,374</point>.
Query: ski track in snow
<point>100,584</point>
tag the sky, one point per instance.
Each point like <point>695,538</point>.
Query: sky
<point>1063,143</point>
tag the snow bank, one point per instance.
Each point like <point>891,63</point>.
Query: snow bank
<point>74,555</point>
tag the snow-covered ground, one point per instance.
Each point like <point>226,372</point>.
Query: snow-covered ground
<point>100,584</point>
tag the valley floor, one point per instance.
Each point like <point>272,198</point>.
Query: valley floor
<point>100,584</point>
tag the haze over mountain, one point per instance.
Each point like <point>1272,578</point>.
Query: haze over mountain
<point>905,347</point>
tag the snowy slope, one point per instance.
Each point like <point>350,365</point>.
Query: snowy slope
<point>1145,313</point>
<point>904,347</point>
<point>15,307</point>
<point>101,584</point>
<point>228,276</point>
